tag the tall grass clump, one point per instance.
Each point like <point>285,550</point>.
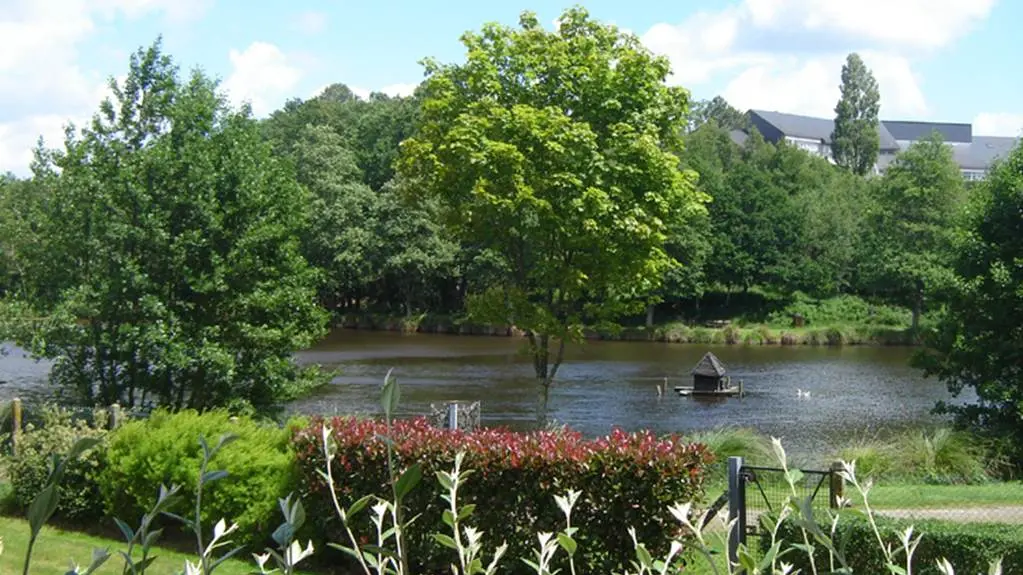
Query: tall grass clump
<point>941,455</point>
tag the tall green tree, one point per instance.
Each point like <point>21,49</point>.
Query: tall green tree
<point>855,143</point>
<point>914,221</point>
<point>370,129</point>
<point>719,111</point>
<point>556,153</point>
<point>339,240</point>
<point>978,344</point>
<point>167,262</point>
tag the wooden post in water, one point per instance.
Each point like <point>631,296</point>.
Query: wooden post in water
<point>115,416</point>
<point>15,424</point>
<point>837,487</point>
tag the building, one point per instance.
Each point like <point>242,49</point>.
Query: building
<point>974,154</point>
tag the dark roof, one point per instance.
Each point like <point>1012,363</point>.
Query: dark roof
<point>797,126</point>
<point>709,366</point>
<point>913,131</point>
<point>738,136</point>
<point>983,151</point>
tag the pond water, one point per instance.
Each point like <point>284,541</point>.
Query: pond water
<point>855,392</point>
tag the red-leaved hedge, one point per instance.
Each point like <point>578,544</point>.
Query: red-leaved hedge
<point>626,479</point>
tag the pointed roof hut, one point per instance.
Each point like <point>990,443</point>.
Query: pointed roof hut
<point>710,374</point>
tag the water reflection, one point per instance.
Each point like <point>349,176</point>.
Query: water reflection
<point>855,391</point>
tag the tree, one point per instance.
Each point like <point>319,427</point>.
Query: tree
<point>978,344</point>
<point>916,208</point>
<point>719,111</point>
<point>855,143</point>
<point>370,129</point>
<point>340,239</point>
<point>167,264</point>
<point>555,153</point>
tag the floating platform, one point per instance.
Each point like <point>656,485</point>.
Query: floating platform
<point>729,392</point>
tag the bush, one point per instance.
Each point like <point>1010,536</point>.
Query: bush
<point>164,450</point>
<point>29,469</point>
<point>626,480</point>
<point>970,547</point>
<point>841,310</point>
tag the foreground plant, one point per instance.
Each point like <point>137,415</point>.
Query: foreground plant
<point>388,515</point>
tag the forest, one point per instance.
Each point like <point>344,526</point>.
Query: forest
<point>178,250</point>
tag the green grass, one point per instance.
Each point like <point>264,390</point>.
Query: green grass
<point>917,456</point>
<point>908,496</point>
<point>56,548</point>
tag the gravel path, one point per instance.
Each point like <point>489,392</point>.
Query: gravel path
<point>995,514</point>
<point>1000,514</point>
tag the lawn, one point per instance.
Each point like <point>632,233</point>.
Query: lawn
<point>897,496</point>
<point>55,549</point>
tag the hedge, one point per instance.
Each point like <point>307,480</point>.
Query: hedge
<point>626,479</point>
<point>970,547</point>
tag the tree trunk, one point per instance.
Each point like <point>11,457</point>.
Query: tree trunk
<point>650,316</point>
<point>918,305</point>
<point>545,371</point>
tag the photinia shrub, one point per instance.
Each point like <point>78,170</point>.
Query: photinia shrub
<point>628,479</point>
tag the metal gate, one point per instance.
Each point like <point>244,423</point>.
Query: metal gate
<point>753,491</point>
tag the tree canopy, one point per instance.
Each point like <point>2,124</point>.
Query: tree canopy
<point>978,343</point>
<point>555,152</point>
<point>164,252</point>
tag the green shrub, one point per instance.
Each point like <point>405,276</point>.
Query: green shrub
<point>28,471</point>
<point>970,547</point>
<point>164,450</point>
<point>840,310</point>
<point>626,480</point>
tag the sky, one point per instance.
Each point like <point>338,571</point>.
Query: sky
<point>938,60</point>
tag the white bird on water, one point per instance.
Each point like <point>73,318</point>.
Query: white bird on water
<point>800,393</point>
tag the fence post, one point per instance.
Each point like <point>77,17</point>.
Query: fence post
<point>837,487</point>
<point>15,424</point>
<point>736,508</point>
<point>453,415</point>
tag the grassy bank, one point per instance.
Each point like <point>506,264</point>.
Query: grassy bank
<point>55,548</point>
<point>719,333</point>
<point>754,317</point>
<point>916,468</point>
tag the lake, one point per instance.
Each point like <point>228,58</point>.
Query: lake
<point>855,392</point>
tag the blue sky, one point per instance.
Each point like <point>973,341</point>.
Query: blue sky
<point>934,59</point>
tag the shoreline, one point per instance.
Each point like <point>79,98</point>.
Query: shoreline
<point>675,332</point>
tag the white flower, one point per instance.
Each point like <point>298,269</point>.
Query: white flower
<point>295,552</point>
<point>221,529</point>
<point>261,560</point>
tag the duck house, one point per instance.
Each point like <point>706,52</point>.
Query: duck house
<point>710,378</point>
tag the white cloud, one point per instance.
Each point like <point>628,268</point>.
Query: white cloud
<point>310,22</point>
<point>998,124</point>
<point>262,75</point>
<point>393,90</point>
<point>912,23</point>
<point>43,82</point>
<point>787,55</point>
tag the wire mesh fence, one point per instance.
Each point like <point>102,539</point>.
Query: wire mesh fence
<point>767,489</point>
